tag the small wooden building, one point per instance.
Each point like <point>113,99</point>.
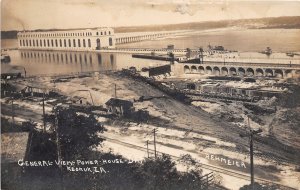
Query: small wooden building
<point>119,107</point>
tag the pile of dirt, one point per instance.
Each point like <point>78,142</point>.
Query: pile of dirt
<point>260,109</point>
<point>290,117</point>
<point>229,116</point>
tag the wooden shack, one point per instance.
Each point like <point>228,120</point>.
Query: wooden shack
<point>119,107</point>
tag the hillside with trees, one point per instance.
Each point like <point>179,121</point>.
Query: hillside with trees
<point>74,137</point>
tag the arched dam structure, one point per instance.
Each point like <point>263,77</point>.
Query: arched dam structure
<point>239,69</point>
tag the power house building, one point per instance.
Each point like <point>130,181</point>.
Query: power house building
<point>88,39</point>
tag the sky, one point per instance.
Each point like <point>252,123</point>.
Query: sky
<point>63,14</point>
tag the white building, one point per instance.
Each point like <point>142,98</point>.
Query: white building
<point>88,39</point>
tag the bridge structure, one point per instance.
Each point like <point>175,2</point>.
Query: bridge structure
<point>123,38</point>
<point>241,69</point>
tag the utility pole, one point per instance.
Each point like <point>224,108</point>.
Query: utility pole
<point>44,120</point>
<point>251,134</point>
<point>57,139</point>
<point>115,90</point>
<point>251,155</point>
<point>24,71</point>
<point>148,148</point>
<point>58,149</point>
<point>154,133</point>
<point>12,112</point>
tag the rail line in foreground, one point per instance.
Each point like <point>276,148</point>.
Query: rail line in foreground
<point>205,166</point>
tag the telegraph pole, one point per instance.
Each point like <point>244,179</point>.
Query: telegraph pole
<point>12,112</point>
<point>24,71</point>
<point>59,159</point>
<point>44,121</point>
<point>251,160</point>
<point>148,148</point>
<point>251,134</point>
<point>115,90</point>
<point>57,139</point>
<point>154,133</point>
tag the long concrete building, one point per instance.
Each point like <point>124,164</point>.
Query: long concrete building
<point>88,39</point>
<point>238,69</point>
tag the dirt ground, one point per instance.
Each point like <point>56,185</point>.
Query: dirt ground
<point>183,129</point>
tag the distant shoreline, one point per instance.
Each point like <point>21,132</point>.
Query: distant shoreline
<point>6,35</point>
<point>292,22</point>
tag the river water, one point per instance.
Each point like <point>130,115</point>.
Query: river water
<point>60,62</point>
<point>280,40</point>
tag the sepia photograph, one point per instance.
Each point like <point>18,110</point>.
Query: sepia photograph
<point>150,94</point>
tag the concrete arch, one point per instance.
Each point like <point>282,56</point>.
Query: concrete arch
<point>241,71</point>
<point>288,73</point>
<point>201,70</point>
<point>194,69</point>
<point>216,71</point>
<point>269,72</point>
<point>208,70</point>
<point>250,72</point>
<point>278,73</point>
<point>187,69</point>
<point>259,72</point>
<point>232,71</point>
<point>224,71</point>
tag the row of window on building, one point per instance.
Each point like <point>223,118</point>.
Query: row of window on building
<point>61,58</point>
<point>58,43</point>
<point>55,43</point>
<point>68,34</point>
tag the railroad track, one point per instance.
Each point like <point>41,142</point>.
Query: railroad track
<point>205,166</point>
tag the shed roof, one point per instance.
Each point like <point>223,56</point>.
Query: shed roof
<point>19,87</point>
<point>118,102</point>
